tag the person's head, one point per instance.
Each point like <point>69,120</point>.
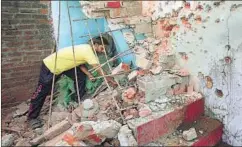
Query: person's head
<point>97,42</point>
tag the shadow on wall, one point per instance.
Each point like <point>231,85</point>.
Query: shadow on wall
<point>82,27</point>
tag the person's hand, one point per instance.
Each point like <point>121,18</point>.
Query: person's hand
<point>112,82</point>
<point>91,78</point>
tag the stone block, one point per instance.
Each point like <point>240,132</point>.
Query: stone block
<point>133,75</point>
<point>155,86</point>
<point>142,62</point>
<point>137,20</point>
<point>134,11</point>
<point>143,28</point>
<point>190,134</point>
<point>52,132</point>
<point>161,123</point>
<point>117,13</point>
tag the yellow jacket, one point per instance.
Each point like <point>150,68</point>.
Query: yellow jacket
<point>65,60</point>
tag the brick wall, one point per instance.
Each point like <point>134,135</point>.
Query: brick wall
<point>26,40</point>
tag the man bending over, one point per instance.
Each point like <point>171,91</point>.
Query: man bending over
<point>84,53</point>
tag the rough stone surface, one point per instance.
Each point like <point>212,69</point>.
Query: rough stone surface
<point>108,129</point>
<point>22,142</point>
<point>155,86</point>
<point>190,134</point>
<point>21,109</point>
<point>88,104</point>
<point>132,75</point>
<point>142,62</point>
<point>52,132</point>
<point>57,117</point>
<point>7,140</point>
<point>125,137</point>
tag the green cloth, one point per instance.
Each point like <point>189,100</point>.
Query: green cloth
<point>65,91</point>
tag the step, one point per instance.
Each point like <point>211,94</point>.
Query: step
<point>152,127</point>
<point>211,135</point>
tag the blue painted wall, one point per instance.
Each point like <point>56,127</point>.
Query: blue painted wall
<point>79,28</point>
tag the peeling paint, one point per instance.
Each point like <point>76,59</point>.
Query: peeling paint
<point>212,31</point>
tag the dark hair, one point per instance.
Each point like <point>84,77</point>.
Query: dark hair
<point>98,40</point>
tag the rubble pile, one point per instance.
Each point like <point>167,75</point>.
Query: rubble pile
<point>159,85</point>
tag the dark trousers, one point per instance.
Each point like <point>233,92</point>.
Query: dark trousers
<point>45,85</point>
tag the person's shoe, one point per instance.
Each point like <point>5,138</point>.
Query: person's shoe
<point>35,123</point>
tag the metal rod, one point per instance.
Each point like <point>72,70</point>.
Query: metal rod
<point>53,80</point>
<point>111,59</point>
<point>104,32</point>
<point>112,75</point>
<point>103,74</point>
<point>73,50</point>
<point>105,53</point>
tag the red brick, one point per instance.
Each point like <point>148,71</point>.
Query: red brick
<point>28,37</point>
<point>25,27</point>
<point>44,11</point>
<point>14,44</point>
<point>44,21</point>
<point>32,42</point>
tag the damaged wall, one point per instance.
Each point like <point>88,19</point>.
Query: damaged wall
<point>26,40</point>
<point>209,35</point>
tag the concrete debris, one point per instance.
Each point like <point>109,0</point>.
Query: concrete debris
<point>52,132</point>
<point>190,134</point>
<point>121,68</point>
<point>163,99</point>
<point>156,70</point>
<point>201,131</point>
<point>57,117</point>
<point>125,137</point>
<point>115,142</point>
<point>155,86</point>
<point>128,96</point>
<point>82,132</point>
<point>143,62</point>
<point>133,75</point>
<point>22,109</point>
<point>88,104</point>
<point>22,142</point>
<point>85,114</point>
<point>144,111</point>
<point>129,37</point>
<point>156,106</point>
<point>130,113</point>
<point>7,140</point>
<point>108,129</point>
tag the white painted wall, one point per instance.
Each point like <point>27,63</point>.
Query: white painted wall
<point>206,55</point>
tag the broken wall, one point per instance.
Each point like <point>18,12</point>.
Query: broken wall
<point>26,40</point>
<point>209,36</point>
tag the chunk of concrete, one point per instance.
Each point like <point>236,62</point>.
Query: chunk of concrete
<point>57,117</point>
<point>133,75</point>
<point>22,142</point>
<point>126,137</point>
<point>52,132</point>
<point>21,110</point>
<point>7,140</point>
<point>88,104</point>
<point>155,86</point>
<point>156,70</point>
<point>143,112</point>
<point>143,62</point>
<point>120,68</point>
<point>190,134</point>
<point>108,129</point>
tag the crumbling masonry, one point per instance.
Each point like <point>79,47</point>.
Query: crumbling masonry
<point>178,89</point>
